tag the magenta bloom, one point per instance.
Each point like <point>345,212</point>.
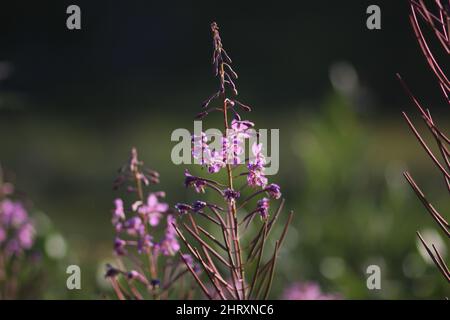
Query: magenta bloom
<point>255,176</point>
<point>215,161</point>
<point>16,228</point>
<point>262,206</point>
<point>118,212</point>
<point>134,226</point>
<point>241,127</point>
<point>200,148</point>
<point>274,190</point>
<point>169,244</point>
<point>192,181</point>
<point>119,246</point>
<point>144,242</point>
<point>153,209</point>
<point>183,208</point>
<point>13,213</point>
<point>198,205</point>
<point>231,194</point>
<point>25,236</point>
<point>307,291</point>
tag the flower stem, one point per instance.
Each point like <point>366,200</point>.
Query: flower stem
<point>231,202</point>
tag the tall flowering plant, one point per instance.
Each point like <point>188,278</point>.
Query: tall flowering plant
<point>437,19</point>
<point>17,237</point>
<point>233,262</point>
<point>146,243</point>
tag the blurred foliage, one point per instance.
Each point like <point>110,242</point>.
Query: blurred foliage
<point>352,214</point>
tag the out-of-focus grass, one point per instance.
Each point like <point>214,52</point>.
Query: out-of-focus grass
<point>342,176</point>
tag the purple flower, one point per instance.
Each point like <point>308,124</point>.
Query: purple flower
<point>307,291</point>
<point>16,228</point>
<point>200,147</point>
<point>25,236</point>
<point>153,209</point>
<point>119,246</point>
<point>144,243</point>
<point>262,206</point>
<point>134,167</point>
<point>215,161</point>
<point>169,244</point>
<point>231,194</point>
<point>198,205</point>
<point>134,226</point>
<point>183,208</point>
<point>212,159</point>
<point>255,176</point>
<point>118,212</point>
<point>274,190</point>
<point>13,213</point>
<point>258,159</point>
<point>240,127</point>
<point>193,181</point>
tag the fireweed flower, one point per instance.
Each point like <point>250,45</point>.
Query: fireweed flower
<point>273,190</point>
<point>17,239</point>
<point>307,291</point>
<point>169,244</point>
<point>192,181</point>
<point>200,147</point>
<point>255,176</point>
<point>153,209</point>
<point>183,208</point>
<point>262,207</point>
<point>231,273</point>
<point>198,205</point>
<point>143,242</point>
<point>231,194</point>
<point>215,161</point>
<point>17,231</point>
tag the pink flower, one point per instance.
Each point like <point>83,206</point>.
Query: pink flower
<point>153,209</point>
<point>262,207</point>
<point>119,246</point>
<point>215,161</point>
<point>200,148</point>
<point>134,226</point>
<point>25,236</point>
<point>13,213</point>
<point>169,244</point>
<point>274,190</point>
<point>144,242</point>
<point>193,181</point>
<point>255,176</point>
<point>16,229</point>
<point>241,127</point>
<point>258,157</point>
<point>118,212</point>
<point>307,291</point>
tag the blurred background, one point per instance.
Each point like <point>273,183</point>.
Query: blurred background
<point>73,103</point>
